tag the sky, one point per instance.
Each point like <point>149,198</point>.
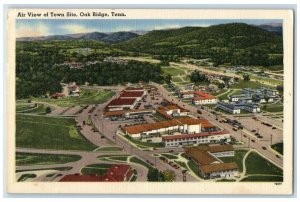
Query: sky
<point>46,27</point>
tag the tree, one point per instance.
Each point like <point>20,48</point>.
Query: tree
<point>221,85</point>
<point>155,176</point>
<point>246,77</point>
<point>48,110</point>
<point>168,79</point>
<point>169,175</point>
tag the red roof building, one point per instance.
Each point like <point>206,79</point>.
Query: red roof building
<point>117,173</point>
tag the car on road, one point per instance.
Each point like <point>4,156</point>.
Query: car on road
<point>235,129</point>
<point>274,127</point>
<point>253,131</point>
<point>264,148</point>
<point>260,136</point>
<point>252,140</point>
<point>277,156</point>
<point>245,135</point>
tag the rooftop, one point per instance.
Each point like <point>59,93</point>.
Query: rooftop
<point>216,167</point>
<point>116,173</point>
<point>132,94</point>
<point>120,102</point>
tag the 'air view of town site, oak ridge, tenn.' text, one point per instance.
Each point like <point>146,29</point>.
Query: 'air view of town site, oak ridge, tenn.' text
<point>110,100</point>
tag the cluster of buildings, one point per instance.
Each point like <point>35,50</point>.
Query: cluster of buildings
<point>249,100</point>
<point>207,159</point>
<point>127,100</point>
<point>199,97</point>
<point>117,173</point>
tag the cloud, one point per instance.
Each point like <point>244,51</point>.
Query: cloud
<point>26,30</point>
<point>76,28</point>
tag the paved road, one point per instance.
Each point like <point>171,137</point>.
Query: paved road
<point>87,158</point>
<point>257,145</point>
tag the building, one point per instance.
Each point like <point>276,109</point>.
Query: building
<point>57,95</point>
<point>121,104</point>
<point>117,173</point>
<point>73,89</point>
<point>262,95</point>
<point>240,98</point>
<point>128,113</point>
<point>186,125</point>
<point>206,157</point>
<point>196,139</point>
<point>236,107</point>
<point>171,110</point>
<point>132,93</point>
<point>229,107</point>
<point>199,97</point>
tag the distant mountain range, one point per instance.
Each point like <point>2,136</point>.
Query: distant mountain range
<point>99,36</point>
<point>116,37</point>
<point>277,28</point>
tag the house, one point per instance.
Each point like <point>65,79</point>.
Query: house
<point>117,173</point>
<point>206,157</point>
<point>73,89</point>
<point>57,95</point>
<point>195,139</point>
<point>251,107</point>
<point>121,104</point>
<point>240,98</point>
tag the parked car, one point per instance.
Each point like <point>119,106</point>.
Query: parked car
<point>253,131</point>
<point>264,148</point>
<point>274,127</point>
<point>252,140</point>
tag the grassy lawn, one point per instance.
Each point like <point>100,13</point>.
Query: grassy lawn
<point>49,133</point>
<point>24,106</point>
<point>119,158</point>
<point>248,84</point>
<point>87,97</point>
<point>143,163</point>
<point>26,176</point>
<point>278,147</point>
<point>169,156</point>
<point>256,164</point>
<point>172,71</point>
<point>23,159</point>
<point>96,169</point>
<point>182,164</point>
<point>238,158</point>
<point>263,178</point>
<point>145,144</point>
<point>276,107</point>
<point>225,96</point>
<point>109,149</point>
<point>194,167</point>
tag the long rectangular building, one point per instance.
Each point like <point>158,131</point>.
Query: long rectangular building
<point>184,125</point>
<point>195,139</point>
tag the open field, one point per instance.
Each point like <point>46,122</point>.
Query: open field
<point>248,84</point>
<point>87,97</point>
<point>274,107</point>
<point>49,133</point>
<point>172,71</point>
<point>256,164</point>
<point>23,159</point>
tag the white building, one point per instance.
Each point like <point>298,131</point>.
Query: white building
<point>228,107</point>
<point>195,139</point>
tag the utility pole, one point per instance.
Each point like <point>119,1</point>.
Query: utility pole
<point>271,138</point>
<point>184,175</point>
<point>249,142</point>
<point>241,135</point>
